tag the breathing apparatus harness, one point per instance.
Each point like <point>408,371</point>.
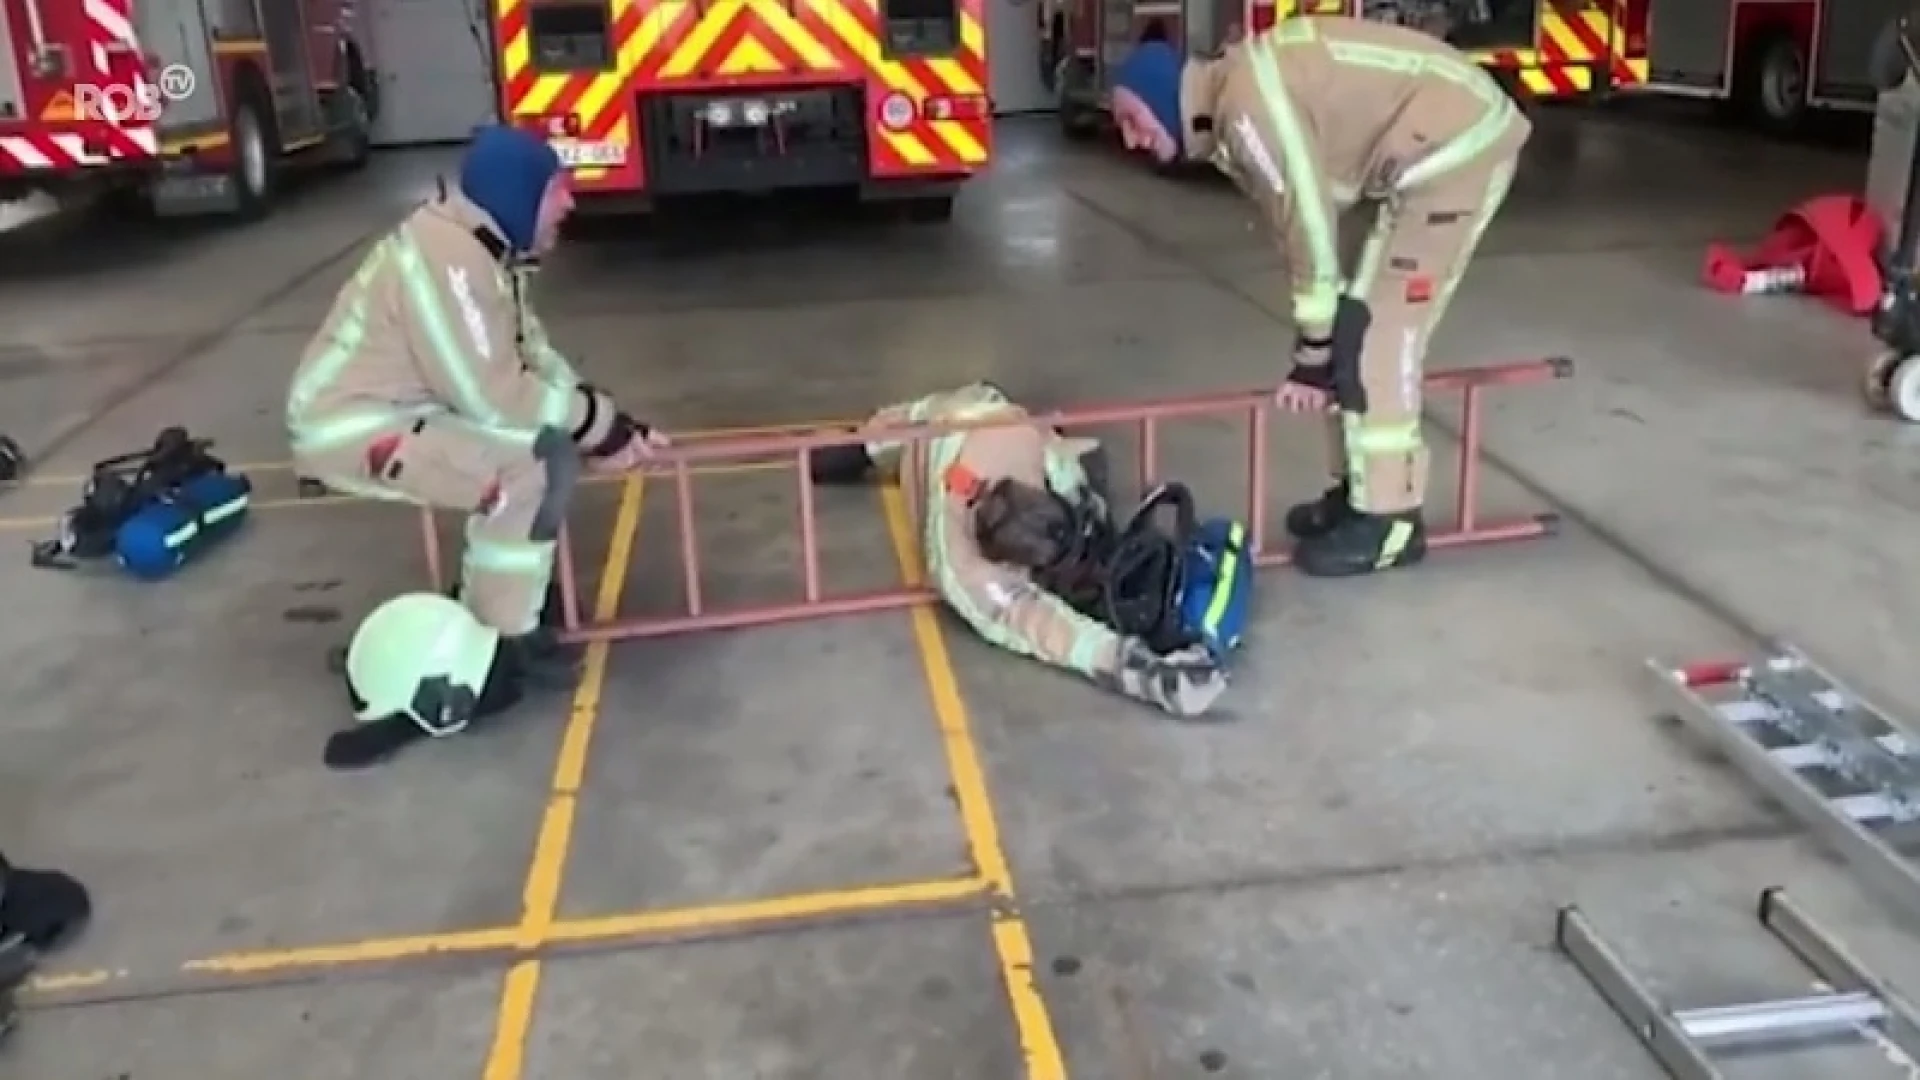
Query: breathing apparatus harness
<point>1130,578</point>
<point>152,508</point>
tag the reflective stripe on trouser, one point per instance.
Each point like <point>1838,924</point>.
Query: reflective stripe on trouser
<point>445,462</point>
<point>1419,247</point>
<point>505,580</point>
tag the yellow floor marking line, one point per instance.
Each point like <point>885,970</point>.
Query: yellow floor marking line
<point>1039,1046</point>
<point>638,926</point>
<point>506,1060</point>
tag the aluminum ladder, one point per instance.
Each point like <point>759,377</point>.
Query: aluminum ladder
<point>1854,1003</point>
<point>1835,762</point>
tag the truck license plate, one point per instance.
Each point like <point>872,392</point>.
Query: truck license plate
<point>576,154</point>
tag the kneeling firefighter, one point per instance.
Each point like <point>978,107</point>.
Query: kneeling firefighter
<point>433,382</point>
<point>1006,509</point>
<point>1312,117</point>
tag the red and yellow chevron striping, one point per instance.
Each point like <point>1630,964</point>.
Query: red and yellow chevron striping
<point>667,44</point>
<point>1571,47</point>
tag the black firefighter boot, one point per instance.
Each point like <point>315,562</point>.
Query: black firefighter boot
<point>539,660</point>
<point>1309,519</point>
<point>1361,543</point>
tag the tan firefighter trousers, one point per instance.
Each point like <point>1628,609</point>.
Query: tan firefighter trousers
<point>516,495</point>
<point>1414,255</point>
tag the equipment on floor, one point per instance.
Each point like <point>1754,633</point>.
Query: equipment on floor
<point>1179,583</point>
<point>1840,765</point>
<point>1851,1003</point>
<point>1893,376</point>
<point>154,510</point>
<point>1824,248</point>
<point>13,460</point>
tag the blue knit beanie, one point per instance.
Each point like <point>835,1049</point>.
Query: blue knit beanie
<point>505,173</point>
<point>1152,74</point>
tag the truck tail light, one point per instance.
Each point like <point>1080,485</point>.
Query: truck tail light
<point>1261,15</point>
<point>955,107</point>
<point>551,125</point>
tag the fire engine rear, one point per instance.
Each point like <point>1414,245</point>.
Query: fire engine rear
<point>1539,48</point>
<point>178,106</point>
<point>651,98</point>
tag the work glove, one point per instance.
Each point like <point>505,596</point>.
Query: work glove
<point>1309,385</point>
<point>1185,682</point>
<point>631,445</point>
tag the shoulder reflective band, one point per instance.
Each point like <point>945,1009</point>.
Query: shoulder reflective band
<point>423,295</point>
<point>1315,304</point>
<point>455,360</point>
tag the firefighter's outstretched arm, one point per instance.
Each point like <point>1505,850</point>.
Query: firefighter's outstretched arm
<point>461,325</point>
<point>1003,605</point>
<point>855,462</point>
<point>1281,159</point>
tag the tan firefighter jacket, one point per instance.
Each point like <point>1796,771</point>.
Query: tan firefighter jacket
<point>434,323</point>
<point>1320,113</point>
<point>1000,602</point>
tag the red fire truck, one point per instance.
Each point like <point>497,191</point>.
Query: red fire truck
<point>1542,48</point>
<point>180,106</point>
<point>652,98</point>
<point>1771,61</point>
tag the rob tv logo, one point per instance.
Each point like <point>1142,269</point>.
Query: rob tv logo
<point>141,103</point>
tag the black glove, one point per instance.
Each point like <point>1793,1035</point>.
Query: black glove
<point>1312,364</point>
<point>625,429</point>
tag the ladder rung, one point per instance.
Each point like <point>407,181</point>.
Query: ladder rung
<point>1806,756</point>
<point>1787,1018</point>
<point>1865,809</point>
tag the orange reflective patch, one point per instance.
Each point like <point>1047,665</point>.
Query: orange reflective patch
<point>964,482</point>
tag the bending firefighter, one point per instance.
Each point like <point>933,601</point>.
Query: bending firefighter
<point>1313,117</point>
<point>432,382</point>
<point>1008,508</point>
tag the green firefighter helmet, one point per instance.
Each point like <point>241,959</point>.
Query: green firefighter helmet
<point>424,656</point>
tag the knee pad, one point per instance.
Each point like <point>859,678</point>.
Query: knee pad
<point>1351,321</point>
<point>839,464</point>
<point>560,460</point>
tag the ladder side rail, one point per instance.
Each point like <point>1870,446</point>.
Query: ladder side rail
<point>1827,957</point>
<point>1651,1022</point>
<point>1883,867</point>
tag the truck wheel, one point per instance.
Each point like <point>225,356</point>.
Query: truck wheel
<point>1770,83</point>
<point>255,168</point>
<point>1077,119</point>
<point>352,128</point>
<point>1877,387</point>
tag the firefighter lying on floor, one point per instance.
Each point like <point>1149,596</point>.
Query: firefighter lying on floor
<point>432,382</point>
<point>1007,509</point>
<point>1309,118</point>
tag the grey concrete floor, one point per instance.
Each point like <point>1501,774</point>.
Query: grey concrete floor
<point>1354,879</point>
